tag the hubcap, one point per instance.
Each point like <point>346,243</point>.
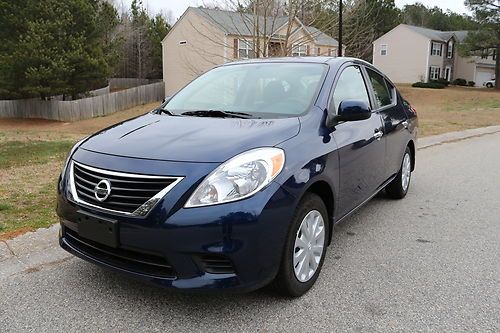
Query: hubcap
<point>309,244</point>
<point>406,171</point>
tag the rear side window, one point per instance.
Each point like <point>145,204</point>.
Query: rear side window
<point>350,85</point>
<point>383,95</point>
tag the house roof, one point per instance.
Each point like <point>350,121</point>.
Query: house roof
<point>321,38</point>
<point>235,23</point>
<point>438,35</point>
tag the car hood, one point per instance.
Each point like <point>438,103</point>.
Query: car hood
<point>190,139</point>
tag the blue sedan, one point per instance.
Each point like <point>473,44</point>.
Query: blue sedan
<point>237,180</point>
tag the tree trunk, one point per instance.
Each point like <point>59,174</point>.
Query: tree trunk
<point>497,69</point>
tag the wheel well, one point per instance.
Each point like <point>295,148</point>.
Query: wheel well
<point>324,191</point>
<point>411,145</point>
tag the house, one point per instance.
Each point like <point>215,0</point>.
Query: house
<point>409,54</point>
<point>204,38</point>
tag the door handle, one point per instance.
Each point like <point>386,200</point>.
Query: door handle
<point>405,124</point>
<point>378,135</point>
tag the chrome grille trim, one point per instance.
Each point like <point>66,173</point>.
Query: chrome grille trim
<point>142,210</point>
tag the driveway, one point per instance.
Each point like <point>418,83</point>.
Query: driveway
<point>430,262</point>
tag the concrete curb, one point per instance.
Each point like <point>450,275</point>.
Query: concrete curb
<point>31,252</point>
<point>35,250</point>
<point>430,141</point>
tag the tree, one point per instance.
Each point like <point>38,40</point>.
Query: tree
<point>108,22</point>
<point>141,48</point>
<point>158,29</point>
<point>365,21</point>
<point>51,48</point>
<point>434,18</point>
<point>487,38</point>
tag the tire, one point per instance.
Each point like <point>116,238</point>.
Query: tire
<point>489,85</point>
<point>399,186</point>
<point>289,283</point>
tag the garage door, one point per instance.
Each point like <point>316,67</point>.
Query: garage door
<point>483,76</point>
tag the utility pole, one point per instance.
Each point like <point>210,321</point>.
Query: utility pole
<point>340,29</point>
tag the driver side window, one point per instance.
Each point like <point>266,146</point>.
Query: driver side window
<point>350,85</point>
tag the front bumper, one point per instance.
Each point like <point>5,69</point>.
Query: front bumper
<point>245,238</point>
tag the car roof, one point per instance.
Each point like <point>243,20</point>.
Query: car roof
<point>319,60</point>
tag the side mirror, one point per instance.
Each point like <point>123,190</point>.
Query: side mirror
<point>350,110</point>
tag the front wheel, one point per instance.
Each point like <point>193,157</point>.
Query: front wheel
<point>305,247</point>
<point>489,85</point>
<point>398,188</point>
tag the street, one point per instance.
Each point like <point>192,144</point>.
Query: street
<point>429,262</point>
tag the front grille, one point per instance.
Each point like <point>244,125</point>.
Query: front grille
<point>138,262</point>
<point>216,264</point>
<point>128,191</point>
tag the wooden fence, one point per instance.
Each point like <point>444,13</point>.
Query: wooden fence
<point>83,108</point>
<point>125,83</point>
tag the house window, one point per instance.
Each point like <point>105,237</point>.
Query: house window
<point>245,49</point>
<point>436,49</point>
<point>299,50</point>
<point>450,50</point>
<point>434,72</point>
<point>383,49</point>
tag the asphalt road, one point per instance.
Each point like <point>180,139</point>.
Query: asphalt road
<point>430,262</point>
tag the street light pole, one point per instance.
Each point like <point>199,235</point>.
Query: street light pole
<point>340,29</point>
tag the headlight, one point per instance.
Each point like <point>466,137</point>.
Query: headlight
<point>240,177</point>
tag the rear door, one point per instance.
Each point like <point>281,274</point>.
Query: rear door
<point>361,152</point>
<point>394,118</point>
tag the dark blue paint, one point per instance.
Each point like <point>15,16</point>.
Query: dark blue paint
<point>251,232</point>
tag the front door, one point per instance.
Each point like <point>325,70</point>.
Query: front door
<point>361,152</point>
<point>447,73</point>
<point>276,49</point>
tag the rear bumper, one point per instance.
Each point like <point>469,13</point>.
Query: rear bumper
<point>245,238</point>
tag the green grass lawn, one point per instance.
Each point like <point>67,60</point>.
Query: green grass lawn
<point>28,177</point>
<point>18,153</point>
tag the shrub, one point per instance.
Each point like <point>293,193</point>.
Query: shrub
<point>443,81</point>
<point>459,82</point>
<point>432,85</point>
<point>471,83</point>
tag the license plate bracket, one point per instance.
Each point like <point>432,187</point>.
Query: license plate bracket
<point>98,229</point>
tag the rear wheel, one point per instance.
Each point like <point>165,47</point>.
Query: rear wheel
<point>305,247</point>
<point>489,85</point>
<point>398,188</point>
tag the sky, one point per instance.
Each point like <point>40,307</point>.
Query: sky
<point>177,7</point>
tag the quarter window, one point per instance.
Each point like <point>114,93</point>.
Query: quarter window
<point>350,85</point>
<point>245,49</point>
<point>383,96</point>
<point>436,49</point>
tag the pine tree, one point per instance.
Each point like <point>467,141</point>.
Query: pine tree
<point>487,37</point>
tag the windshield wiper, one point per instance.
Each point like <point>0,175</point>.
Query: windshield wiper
<point>217,114</point>
<point>164,111</point>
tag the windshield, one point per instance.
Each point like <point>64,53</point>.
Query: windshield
<point>269,90</point>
